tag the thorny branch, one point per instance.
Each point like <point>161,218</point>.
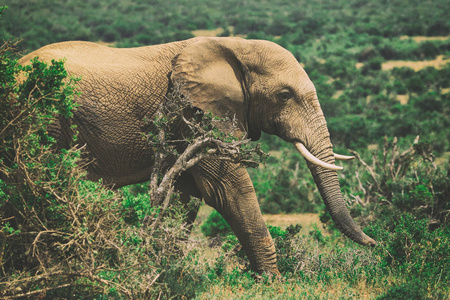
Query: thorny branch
<point>198,138</point>
<point>393,167</point>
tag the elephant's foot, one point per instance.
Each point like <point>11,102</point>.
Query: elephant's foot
<point>263,258</point>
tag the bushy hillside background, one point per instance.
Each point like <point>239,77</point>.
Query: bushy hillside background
<point>383,78</point>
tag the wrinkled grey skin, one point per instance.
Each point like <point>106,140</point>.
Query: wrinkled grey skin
<point>259,82</point>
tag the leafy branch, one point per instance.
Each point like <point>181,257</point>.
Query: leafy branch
<point>186,136</point>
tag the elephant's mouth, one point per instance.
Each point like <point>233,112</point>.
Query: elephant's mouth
<point>314,160</point>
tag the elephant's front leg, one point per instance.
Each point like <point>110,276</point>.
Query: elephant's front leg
<point>227,187</point>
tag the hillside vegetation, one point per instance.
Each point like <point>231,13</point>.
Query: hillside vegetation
<point>383,80</point>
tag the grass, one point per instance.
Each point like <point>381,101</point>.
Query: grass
<point>318,276</point>
<point>320,264</point>
<point>329,269</point>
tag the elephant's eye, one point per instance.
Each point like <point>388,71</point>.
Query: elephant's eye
<point>284,95</point>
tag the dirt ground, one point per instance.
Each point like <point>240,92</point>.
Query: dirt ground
<point>307,221</point>
<point>419,39</point>
<point>437,63</point>
<point>215,32</point>
<point>208,33</point>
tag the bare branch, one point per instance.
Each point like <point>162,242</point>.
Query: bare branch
<point>393,156</point>
<point>42,291</point>
<point>360,184</point>
<point>368,168</point>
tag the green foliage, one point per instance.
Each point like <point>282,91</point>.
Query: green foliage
<point>407,181</point>
<point>61,235</point>
<point>404,199</point>
<point>27,110</point>
<point>299,23</point>
<point>407,252</point>
<point>408,248</point>
<point>136,203</point>
<point>283,239</point>
<point>373,64</point>
<point>284,183</point>
<point>409,244</point>
<point>408,290</point>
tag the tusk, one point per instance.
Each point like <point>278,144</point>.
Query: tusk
<point>311,158</point>
<point>343,157</point>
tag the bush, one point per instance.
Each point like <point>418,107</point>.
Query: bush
<point>389,52</point>
<point>403,201</point>
<point>61,235</point>
<point>409,290</point>
<point>405,180</point>
<point>399,87</point>
<point>374,64</point>
<point>438,28</point>
<point>409,248</point>
<point>427,50</point>
<point>367,54</point>
<point>285,185</point>
<point>428,102</point>
<point>344,128</point>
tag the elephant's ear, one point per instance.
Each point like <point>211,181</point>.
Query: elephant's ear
<point>210,74</point>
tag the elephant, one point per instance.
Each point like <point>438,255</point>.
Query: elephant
<point>258,82</point>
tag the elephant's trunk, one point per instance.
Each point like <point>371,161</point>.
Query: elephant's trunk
<point>328,185</point>
<point>327,182</point>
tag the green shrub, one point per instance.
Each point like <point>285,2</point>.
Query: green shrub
<point>373,64</point>
<point>427,50</point>
<point>61,235</point>
<point>403,72</point>
<point>33,174</point>
<point>345,127</point>
<point>399,87</point>
<point>406,180</point>
<point>414,289</point>
<point>411,250</point>
<point>389,52</point>
<point>135,202</point>
<point>428,102</point>
<point>438,28</point>
<point>368,54</point>
<point>415,84</point>
<point>403,203</point>
<point>287,261</point>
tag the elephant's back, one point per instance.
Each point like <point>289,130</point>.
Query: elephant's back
<point>75,53</point>
<point>81,57</point>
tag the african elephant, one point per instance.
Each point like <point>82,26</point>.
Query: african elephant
<point>258,82</point>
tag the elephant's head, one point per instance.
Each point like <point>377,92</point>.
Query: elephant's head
<point>266,89</point>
